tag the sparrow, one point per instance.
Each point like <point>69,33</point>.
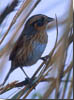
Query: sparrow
<point>31,44</point>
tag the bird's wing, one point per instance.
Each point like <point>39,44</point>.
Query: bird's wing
<point>18,47</point>
<point>23,45</point>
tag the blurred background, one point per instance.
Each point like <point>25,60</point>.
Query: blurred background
<point>64,12</point>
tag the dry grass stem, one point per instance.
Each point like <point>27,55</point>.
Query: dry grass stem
<point>70,89</point>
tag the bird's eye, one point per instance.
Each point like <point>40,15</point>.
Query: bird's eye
<point>40,22</point>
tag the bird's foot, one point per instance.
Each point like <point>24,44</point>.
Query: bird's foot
<point>29,81</point>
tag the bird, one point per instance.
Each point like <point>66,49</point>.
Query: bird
<point>31,43</point>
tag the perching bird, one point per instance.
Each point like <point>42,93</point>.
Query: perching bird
<point>31,43</point>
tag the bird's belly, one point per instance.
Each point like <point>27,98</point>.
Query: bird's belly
<point>38,49</point>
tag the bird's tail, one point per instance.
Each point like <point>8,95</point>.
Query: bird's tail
<point>7,76</point>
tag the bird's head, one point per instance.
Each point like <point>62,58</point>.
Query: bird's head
<point>37,23</point>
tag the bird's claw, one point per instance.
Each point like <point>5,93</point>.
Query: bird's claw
<point>29,81</point>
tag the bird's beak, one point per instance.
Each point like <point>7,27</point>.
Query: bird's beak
<point>49,19</point>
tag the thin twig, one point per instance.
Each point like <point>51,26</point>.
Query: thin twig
<point>70,90</point>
